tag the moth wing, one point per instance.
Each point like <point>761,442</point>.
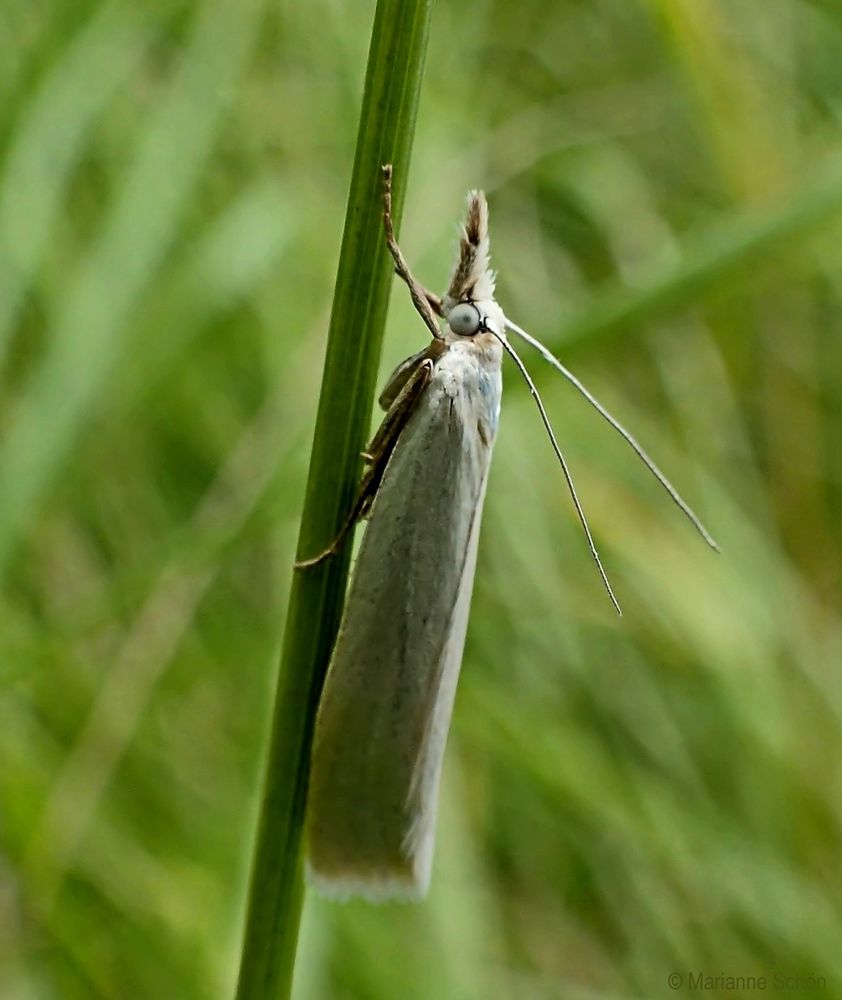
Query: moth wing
<point>388,697</point>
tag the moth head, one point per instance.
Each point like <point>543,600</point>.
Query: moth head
<point>464,319</point>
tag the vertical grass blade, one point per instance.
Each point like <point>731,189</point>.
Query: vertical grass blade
<point>54,135</point>
<point>89,322</point>
<point>393,80</point>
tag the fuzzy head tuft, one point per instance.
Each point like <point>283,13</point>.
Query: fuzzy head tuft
<point>472,277</point>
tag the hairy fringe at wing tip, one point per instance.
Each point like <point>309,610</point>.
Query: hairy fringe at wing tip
<point>472,277</point>
<point>376,888</point>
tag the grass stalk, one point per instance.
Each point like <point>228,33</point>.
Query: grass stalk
<point>387,122</point>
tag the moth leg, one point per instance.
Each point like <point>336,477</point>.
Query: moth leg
<point>386,435</point>
<point>435,302</point>
<point>406,369</point>
<point>361,504</point>
<point>423,300</point>
<point>377,456</point>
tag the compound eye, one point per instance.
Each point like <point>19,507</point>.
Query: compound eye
<point>464,320</point>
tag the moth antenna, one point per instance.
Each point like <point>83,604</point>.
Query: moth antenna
<point>567,475</point>
<point>629,438</point>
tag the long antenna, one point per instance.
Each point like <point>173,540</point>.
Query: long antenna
<point>548,426</point>
<point>618,427</point>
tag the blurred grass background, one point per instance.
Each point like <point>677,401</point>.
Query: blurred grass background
<point>623,799</point>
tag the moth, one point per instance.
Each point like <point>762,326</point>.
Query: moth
<point>386,706</point>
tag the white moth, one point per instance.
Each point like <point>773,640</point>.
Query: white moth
<point>385,710</point>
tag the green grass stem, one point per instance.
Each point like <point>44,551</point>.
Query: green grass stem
<point>393,80</point>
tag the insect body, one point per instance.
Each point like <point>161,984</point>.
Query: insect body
<point>385,710</point>
<point>386,706</point>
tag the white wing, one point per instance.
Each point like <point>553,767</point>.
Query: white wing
<point>388,697</point>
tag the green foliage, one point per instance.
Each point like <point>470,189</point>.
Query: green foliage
<point>622,799</point>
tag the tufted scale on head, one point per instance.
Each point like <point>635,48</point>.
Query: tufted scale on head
<point>472,277</point>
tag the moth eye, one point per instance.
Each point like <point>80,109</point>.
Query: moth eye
<point>464,319</point>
